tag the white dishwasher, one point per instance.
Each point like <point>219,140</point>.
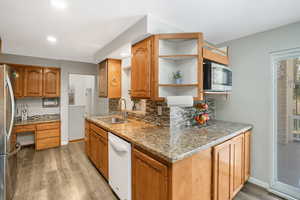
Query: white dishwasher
<point>119,152</point>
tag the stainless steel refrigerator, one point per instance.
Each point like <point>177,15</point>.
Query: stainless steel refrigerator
<point>8,146</point>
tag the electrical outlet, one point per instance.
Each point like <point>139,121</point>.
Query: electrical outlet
<point>159,110</point>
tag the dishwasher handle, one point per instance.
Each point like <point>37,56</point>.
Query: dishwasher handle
<point>118,146</point>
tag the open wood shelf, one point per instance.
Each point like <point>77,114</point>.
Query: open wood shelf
<point>178,85</point>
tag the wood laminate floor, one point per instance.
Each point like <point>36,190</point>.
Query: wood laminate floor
<point>65,173</point>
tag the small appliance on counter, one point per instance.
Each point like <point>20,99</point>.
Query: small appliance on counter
<point>217,77</point>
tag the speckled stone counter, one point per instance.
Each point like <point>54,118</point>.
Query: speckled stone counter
<point>37,120</point>
<point>172,144</point>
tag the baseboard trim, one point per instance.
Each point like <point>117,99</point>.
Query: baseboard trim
<point>77,140</point>
<point>259,183</point>
<point>280,194</point>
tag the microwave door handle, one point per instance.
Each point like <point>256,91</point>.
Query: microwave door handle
<point>11,93</point>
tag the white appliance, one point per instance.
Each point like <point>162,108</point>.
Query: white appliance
<point>119,152</point>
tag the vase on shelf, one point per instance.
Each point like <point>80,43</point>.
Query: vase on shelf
<point>178,81</point>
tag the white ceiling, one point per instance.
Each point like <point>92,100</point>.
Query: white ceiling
<point>87,25</point>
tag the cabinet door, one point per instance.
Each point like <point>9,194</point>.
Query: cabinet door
<point>247,155</point>
<point>114,78</point>
<point>103,162</point>
<point>33,82</point>
<point>94,148</point>
<point>103,79</point>
<point>51,82</point>
<point>222,171</point>
<point>87,139</point>
<point>237,164</point>
<point>141,69</point>
<point>18,81</point>
<point>149,178</point>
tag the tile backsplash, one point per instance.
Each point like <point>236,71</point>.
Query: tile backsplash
<point>35,107</point>
<point>175,116</point>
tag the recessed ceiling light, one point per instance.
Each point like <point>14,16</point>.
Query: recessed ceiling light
<point>59,4</point>
<point>51,39</point>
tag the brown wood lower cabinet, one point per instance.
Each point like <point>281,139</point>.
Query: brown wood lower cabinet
<point>247,155</point>
<point>97,146</point>
<point>149,178</point>
<point>87,138</point>
<point>229,161</point>
<point>47,135</point>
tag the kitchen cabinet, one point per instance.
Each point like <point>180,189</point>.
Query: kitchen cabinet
<point>155,59</point>
<point>222,171</point>
<point>87,138</point>
<point>149,178</point>
<point>228,174</point>
<point>141,64</point>
<point>212,53</point>
<point>51,82</point>
<point>237,164</point>
<point>98,151</point>
<point>110,78</point>
<point>95,149</point>
<point>18,80</point>
<point>103,156</point>
<point>47,135</point>
<point>247,155</point>
<point>33,82</point>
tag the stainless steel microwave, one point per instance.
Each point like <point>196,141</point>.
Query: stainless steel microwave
<point>217,77</point>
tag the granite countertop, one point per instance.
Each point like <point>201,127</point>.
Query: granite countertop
<point>37,119</point>
<point>172,144</point>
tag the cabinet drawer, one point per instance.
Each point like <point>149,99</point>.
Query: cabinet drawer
<point>47,133</point>
<point>24,128</point>
<point>47,143</point>
<point>47,126</point>
<point>98,130</point>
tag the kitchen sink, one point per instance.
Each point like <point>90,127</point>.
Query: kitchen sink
<point>117,120</point>
<point>113,120</point>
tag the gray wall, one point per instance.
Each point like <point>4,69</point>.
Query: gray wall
<point>251,97</point>
<point>67,67</point>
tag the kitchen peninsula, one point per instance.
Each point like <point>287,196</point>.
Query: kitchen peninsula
<point>191,163</point>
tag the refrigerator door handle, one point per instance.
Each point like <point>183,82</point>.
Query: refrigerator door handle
<point>18,148</point>
<point>11,93</point>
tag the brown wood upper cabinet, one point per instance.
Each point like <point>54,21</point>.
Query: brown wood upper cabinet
<point>156,58</point>
<point>18,81</point>
<point>51,79</point>
<point>141,63</point>
<point>29,81</point>
<point>33,82</point>
<point>110,78</point>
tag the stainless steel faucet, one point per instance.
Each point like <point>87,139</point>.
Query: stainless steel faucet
<point>124,112</point>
